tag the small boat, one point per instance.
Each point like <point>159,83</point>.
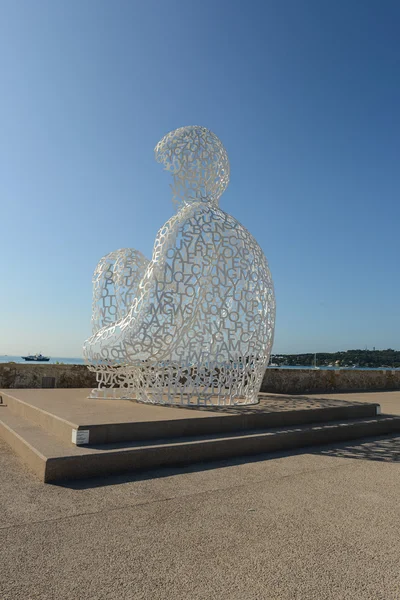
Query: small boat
<point>36,358</point>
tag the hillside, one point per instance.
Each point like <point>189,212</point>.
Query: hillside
<point>350,358</point>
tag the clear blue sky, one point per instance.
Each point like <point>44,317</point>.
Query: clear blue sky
<point>305,95</point>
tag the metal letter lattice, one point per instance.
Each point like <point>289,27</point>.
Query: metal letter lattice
<point>194,325</point>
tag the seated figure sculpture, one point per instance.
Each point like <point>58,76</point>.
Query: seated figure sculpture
<point>194,325</point>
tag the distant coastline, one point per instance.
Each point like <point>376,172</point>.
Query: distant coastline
<point>277,362</point>
<point>349,359</point>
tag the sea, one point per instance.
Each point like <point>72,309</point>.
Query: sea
<point>53,360</point>
<point>79,361</point>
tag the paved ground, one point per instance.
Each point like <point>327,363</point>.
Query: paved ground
<point>322,524</point>
<point>389,401</point>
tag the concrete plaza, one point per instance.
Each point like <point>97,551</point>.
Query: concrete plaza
<point>323,523</point>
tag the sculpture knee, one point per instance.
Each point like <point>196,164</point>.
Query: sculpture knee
<point>115,285</point>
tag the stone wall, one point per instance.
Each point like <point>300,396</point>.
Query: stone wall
<point>310,381</point>
<point>14,375</point>
<point>276,381</point>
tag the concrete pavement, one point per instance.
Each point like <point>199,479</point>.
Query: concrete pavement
<point>322,524</point>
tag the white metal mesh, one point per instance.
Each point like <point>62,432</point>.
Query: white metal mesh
<point>195,324</point>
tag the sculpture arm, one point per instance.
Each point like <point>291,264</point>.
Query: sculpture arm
<point>165,303</point>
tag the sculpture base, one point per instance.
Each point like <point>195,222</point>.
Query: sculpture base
<point>211,384</point>
<point>208,399</point>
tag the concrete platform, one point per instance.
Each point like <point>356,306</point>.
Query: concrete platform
<point>63,411</point>
<point>120,435</point>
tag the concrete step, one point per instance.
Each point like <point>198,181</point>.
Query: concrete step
<point>54,460</point>
<point>64,412</point>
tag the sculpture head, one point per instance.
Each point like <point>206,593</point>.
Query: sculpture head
<point>198,163</point>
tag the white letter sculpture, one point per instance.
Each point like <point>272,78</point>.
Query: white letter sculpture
<point>194,325</point>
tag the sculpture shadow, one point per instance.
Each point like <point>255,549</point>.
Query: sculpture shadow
<point>382,449</point>
<point>273,403</point>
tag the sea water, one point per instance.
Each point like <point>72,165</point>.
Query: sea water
<point>54,359</point>
<point>79,361</point>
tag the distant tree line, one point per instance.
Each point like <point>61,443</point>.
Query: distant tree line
<point>350,358</point>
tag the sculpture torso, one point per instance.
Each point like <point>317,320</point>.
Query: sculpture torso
<point>209,289</point>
